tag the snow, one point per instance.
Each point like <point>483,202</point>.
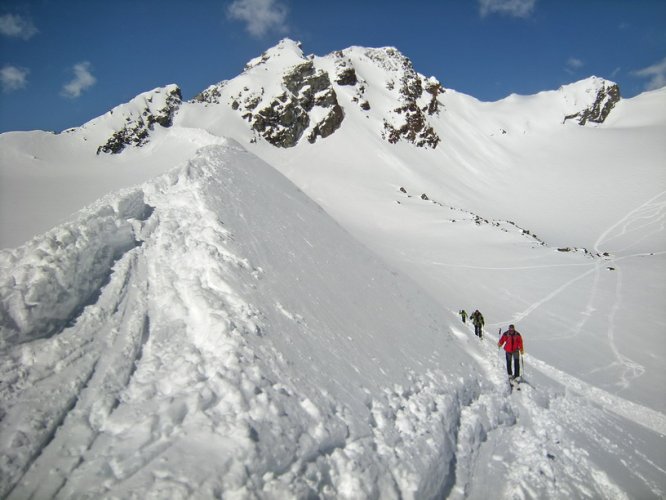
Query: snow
<point>208,316</point>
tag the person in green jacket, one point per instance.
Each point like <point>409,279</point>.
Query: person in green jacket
<point>477,320</point>
<point>463,315</point>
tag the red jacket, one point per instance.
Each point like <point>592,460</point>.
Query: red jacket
<point>512,342</point>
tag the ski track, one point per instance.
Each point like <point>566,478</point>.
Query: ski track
<point>426,438</point>
<point>114,351</point>
<point>652,211</point>
<point>649,212</point>
<point>524,436</point>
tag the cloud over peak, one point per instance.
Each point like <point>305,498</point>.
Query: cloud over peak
<point>260,16</point>
<point>513,8</point>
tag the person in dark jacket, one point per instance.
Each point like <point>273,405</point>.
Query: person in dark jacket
<point>513,345</point>
<point>477,320</point>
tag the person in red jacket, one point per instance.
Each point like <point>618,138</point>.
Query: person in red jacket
<point>513,344</point>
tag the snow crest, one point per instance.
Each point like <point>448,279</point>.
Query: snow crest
<point>170,367</point>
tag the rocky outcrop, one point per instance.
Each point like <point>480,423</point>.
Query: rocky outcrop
<point>212,95</point>
<point>141,115</point>
<point>607,96</point>
<point>283,119</point>
<point>418,96</point>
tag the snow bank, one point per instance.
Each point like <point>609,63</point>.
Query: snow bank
<point>46,283</point>
<point>219,333</point>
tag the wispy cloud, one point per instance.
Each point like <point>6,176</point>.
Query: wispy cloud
<point>13,78</point>
<point>513,8</point>
<point>573,64</point>
<point>260,16</point>
<point>83,80</point>
<point>656,75</point>
<point>15,26</point>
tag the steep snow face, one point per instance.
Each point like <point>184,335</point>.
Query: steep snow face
<point>532,218</point>
<point>239,342</point>
<point>232,339</point>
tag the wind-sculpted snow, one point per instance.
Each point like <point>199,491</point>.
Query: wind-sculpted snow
<point>47,282</point>
<point>222,353</point>
<point>232,340</point>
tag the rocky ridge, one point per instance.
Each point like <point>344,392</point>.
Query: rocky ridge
<point>606,96</point>
<point>143,112</point>
<point>417,97</point>
<point>287,98</point>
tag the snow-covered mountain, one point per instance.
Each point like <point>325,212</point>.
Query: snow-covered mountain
<point>254,292</point>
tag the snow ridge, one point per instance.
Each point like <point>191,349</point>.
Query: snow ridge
<point>173,361</point>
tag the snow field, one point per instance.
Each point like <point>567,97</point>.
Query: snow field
<point>168,381</point>
<point>214,333</point>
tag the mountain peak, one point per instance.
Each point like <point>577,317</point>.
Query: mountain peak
<point>287,51</point>
<point>592,99</point>
<point>131,123</point>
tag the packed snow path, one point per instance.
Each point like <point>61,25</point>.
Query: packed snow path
<point>214,333</point>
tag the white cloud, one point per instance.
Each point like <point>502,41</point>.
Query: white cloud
<point>575,63</point>
<point>83,80</point>
<point>260,16</point>
<point>13,78</point>
<point>656,74</point>
<point>15,26</point>
<point>514,8</point>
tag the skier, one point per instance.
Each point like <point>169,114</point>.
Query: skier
<point>513,344</point>
<point>463,315</point>
<point>477,319</point>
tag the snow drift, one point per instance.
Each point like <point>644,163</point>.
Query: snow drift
<point>214,332</point>
<point>240,341</point>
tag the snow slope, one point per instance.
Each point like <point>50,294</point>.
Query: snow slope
<point>240,342</point>
<point>214,331</point>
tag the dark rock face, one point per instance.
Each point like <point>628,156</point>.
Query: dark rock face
<point>211,95</point>
<point>286,117</point>
<point>412,124</point>
<point>328,125</point>
<point>345,74</point>
<point>136,131</point>
<point>607,97</point>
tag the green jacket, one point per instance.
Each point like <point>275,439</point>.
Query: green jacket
<point>477,318</point>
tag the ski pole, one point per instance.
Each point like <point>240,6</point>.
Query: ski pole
<point>522,364</point>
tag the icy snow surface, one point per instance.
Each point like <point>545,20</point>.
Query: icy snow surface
<point>243,343</point>
<point>181,320</point>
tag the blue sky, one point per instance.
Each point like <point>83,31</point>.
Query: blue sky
<point>64,62</point>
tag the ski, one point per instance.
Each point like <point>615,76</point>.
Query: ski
<point>515,383</point>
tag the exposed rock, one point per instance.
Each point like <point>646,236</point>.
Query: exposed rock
<point>409,121</point>
<point>211,95</point>
<point>138,126</point>
<point>434,88</point>
<point>345,74</point>
<point>608,95</point>
<point>286,117</point>
<point>328,125</point>
<point>415,128</point>
<point>347,77</point>
<point>281,124</point>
